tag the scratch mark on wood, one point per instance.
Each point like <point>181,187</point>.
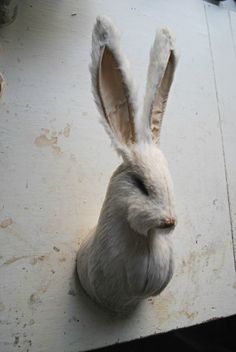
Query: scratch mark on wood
<point>2,85</point>
<point>13,260</point>
<point>16,341</point>
<point>33,261</point>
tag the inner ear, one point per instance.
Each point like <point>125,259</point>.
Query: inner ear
<point>114,96</point>
<point>160,100</point>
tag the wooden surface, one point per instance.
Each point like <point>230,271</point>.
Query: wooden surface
<point>55,163</point>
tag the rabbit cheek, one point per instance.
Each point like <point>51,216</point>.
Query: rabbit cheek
<point>139,220</point>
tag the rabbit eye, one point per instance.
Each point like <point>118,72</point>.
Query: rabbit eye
<point>140,185</point>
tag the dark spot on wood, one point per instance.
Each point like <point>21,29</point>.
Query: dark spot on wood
<point>56,249</point>
<point>17,339</point>
<point>71,292</point>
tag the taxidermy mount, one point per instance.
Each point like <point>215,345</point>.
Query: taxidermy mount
<point>128,257</point>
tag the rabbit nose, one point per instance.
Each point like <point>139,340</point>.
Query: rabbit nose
<point>169,222</point>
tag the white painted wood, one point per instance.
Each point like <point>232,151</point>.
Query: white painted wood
<point>55,163</point>
<point>222,32</point>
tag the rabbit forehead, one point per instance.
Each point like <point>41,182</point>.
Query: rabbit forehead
<point>149,161</point>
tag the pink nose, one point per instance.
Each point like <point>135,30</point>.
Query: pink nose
<point>169,222</point>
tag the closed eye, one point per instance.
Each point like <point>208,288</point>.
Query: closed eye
<point>140,185</point>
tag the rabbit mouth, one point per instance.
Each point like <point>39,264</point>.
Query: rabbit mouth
<point>167,223</point>
<point>163,227</point>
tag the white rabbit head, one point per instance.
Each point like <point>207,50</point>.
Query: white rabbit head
<point>141,188</point>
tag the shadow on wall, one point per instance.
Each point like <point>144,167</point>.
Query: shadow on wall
<point>214,336</point>
<point>8,12</point>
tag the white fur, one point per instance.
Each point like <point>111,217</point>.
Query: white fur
<point>106,34</point>
<point>129,256</point>
<point>159,56</point>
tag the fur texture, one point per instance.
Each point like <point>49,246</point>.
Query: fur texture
<point>105,34</point>
<point>160,53</point>
<point>129,256</point>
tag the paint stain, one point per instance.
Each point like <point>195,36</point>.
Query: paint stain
<point>62,259</point>
<point>44,140</point>
<point>57,150</point>
<point>35,260</point>
<point>189,316</point>
<point>5,223</point>
<point>162,306</point>
<point>34,298</point>
<point>66,131</point>
<point>72,289</point>
<point>50,139</point>
<point>31,322</point>
<point>45,131</point>
<point>2,307</point>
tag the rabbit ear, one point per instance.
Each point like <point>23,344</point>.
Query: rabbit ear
<point>161,70</point>
<point>112,84</point>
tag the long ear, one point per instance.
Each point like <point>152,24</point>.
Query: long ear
<point>112,84</point>
<point>161,70</point>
